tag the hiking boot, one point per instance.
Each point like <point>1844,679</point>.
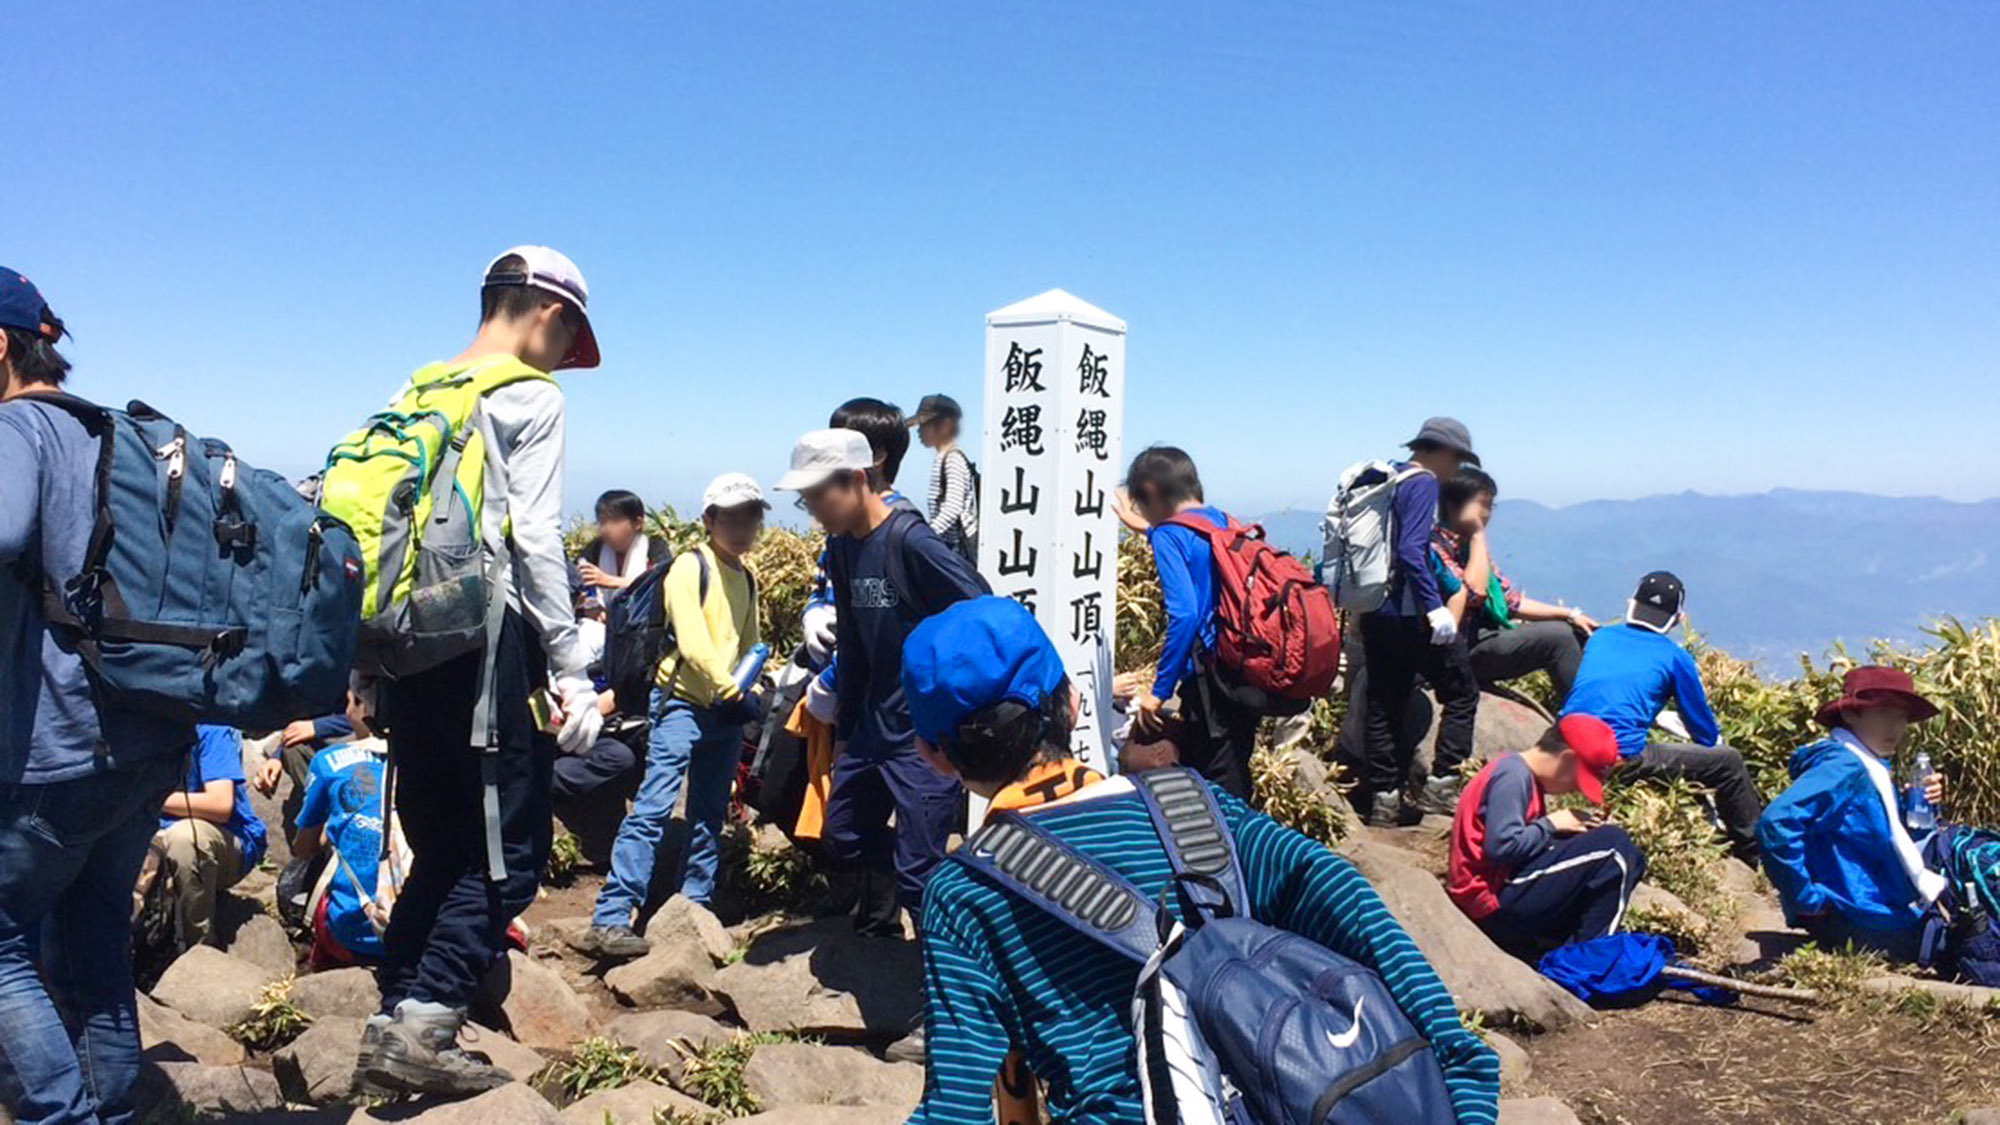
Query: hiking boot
<point>418,1053</point>
<point>911,1048</point>
<point>371,1044</point>
<point>1392,810</point>
<point>611,943</point>
<point>1439,795</point>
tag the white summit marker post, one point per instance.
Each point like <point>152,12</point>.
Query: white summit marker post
<point>1053,452</point>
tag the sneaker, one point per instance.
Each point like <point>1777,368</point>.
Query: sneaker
<point>371,1045</point>
<point>910,1048</point>
<point>1439,795</point>
<point>611,943</point>
<point>418,1053</point>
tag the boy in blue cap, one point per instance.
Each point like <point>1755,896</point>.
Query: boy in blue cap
<point>992,707</point>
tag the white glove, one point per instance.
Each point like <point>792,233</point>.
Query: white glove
<point>821,701</point>
<point>818,622</point>
<point>582,722</point>
<point>1444,627</point>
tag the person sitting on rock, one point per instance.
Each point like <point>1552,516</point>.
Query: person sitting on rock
<point>1507,634</point>
<point>1836,846</point>
<point>992,706</point>
<point>1534,877</point>
<point>209,836</point>
<point>1629,673</point>
<point>342,815</point>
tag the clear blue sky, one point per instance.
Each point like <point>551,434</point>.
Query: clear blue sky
<point>1639,248</point>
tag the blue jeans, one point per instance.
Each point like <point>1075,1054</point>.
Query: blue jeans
<point>686,742</point>
<point>69,855</point>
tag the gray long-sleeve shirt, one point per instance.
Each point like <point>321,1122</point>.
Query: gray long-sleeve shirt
<point>523,425</point>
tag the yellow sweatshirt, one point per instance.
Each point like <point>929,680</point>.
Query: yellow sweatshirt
<point>712,635</point>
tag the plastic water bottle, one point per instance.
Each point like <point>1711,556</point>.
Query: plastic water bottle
<point>1918,812</point>
<point>751,667</point>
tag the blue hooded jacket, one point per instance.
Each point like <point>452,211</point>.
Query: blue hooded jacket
<point>1828,844</point>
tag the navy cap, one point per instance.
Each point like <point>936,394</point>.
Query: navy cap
<point>973,655</point>
<point>22,306</point>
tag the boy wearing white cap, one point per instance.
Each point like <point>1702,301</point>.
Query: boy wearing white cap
<point>698,712</point>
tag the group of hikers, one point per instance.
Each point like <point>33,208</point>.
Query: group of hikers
<point>1142,946</point>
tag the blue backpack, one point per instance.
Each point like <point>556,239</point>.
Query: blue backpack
<point>211,592</point>
<point>1962,929</point>
<point>1238,1022</point>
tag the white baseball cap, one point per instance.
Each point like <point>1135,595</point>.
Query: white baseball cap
<point>821,454</point>
<point>553,271</point>
<point>732,490</point>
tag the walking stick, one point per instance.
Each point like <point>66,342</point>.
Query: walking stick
<point>1747,988</point>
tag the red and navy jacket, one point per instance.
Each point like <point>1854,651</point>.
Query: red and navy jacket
<point>1498,828</point>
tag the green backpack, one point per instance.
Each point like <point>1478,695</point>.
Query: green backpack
<point>411,483</point>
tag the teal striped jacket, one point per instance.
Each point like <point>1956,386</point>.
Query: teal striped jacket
<point>1003,975</point>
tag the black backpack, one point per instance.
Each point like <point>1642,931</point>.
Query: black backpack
<point>637,633</point>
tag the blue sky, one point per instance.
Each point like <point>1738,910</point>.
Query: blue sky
<point>1640,249</point>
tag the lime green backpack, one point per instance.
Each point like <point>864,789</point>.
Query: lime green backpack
<point>411,483</point>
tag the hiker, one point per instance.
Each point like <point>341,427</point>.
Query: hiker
<point>209,837</point>
<point>450,926</point>
<point>698,710</point>
<point>342,818</point>
<point>1629,673</point>
<point>621,550</point>
<point>887,570</point>
<point>83,784</point>
<point>1836,847</point>
<point>1189,703</point>
<point>954,491</point>
<point>1535,877</point>
<point>1507,634</point>
<point>992,707</point>
<point>286,754</point>
<point>1413,633</point>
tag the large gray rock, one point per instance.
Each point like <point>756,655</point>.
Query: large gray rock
<point>337,992</point>
<point>665,1038</point>
<point>210,986</point>
<point>1479,975</point>
<point>825,980</point>
<point>1535,1111</point>
<point>1515,1065</point>
<point>317,1068</point>
<point>261,941</point>
<point>207,1089</point>
<point>633,1104</point>
<point>682,921</point>
<point>1503,727</point>
<point>677,974</point>
<point>1986,1116</point>
<point>810,1074</point>
<point>542,1010</point>
<point>512,1104</point>
<point>167,1036</point>
<point>819,1115</point>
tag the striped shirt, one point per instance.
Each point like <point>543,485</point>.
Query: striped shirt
<point>1002,974</point>
<point>954,509</point>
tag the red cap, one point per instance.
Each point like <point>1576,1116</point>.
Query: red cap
<point>1596,752</point>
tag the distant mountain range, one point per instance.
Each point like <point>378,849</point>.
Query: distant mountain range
<point>1769,576</point>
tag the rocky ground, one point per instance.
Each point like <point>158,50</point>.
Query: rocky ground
<point>784,1019</point>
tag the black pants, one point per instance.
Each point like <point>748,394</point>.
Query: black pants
<point>1499,655</point>
<point>610,759</point>
<point>1720,768</point>
<point>1575,891</point>
<point>1216,736</point>
<point>450,925</point>
<point>1397,651</point>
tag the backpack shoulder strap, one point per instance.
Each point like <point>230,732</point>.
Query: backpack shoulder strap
<point>1190,824</point>
<point>900,524</point>
<point>1083,893</point>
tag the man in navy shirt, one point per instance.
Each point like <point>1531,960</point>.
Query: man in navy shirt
<point>888,571</point>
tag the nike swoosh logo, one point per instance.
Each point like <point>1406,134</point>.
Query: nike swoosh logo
<point>1352,1035</point>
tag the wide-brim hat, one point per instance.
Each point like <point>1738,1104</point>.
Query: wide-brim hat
<point>1876,685</point>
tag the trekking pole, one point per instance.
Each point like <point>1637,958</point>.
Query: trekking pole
<point>1747,988</point>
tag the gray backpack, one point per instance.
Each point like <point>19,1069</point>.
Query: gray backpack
<point>1358,551</point>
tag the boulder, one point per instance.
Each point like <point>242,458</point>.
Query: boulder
<point>1986,1116</point>
<point>210,986</point>
<point>634,1104</point>
<point>1535,1111</point>
<point>660,1037</point>
<point>818,1115</point>
<point>1479,975</point>
<point>1515,1065</point>
<point>167,1036</point>
<point>337,992</point>
<point>1950,992</point>
<point>207,1090</point>
<point>317,1068</point>
<point>512,1104</point>
<point>809,1074</point>
<point>520,1061</point>
<point>682,921</point>
<point>674,975</point>
<point>541,1009</point>
<point>1504,726</point>
<point>825,980</point>
<point>261,941</point>
<point>1657,900</point>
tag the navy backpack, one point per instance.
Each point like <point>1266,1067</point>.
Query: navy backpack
<point>1238,1022</point>
<point>211,592</point>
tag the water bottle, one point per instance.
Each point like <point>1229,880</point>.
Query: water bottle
<point>751,667</point>
<point>1919,815</point>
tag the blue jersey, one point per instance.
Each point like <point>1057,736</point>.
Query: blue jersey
<point>218,756</point>
<point>344,797</point>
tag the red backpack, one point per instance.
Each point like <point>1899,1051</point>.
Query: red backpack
<point>1275,627</point>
